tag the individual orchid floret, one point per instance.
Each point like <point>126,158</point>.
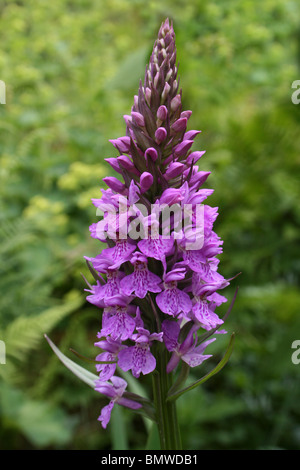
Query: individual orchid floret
<point>111,287</point>
<point>172,300</point>
<point>96,297</point>
<point>117,320</point>
<point>141,281</point>
<point>139,358</point>
<point>155,245</point>
<point>121,252</point>
<point>188,351</point>
<point>203,313</point>
<point>114,391</point>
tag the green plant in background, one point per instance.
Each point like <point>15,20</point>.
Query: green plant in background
<point>66,82</point>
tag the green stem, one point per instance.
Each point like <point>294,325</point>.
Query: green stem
<point>166,415</point>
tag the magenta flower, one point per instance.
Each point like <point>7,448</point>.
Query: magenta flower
<point>117,321</point>
<point>141,281</point>
<point>114,391</point>
<point>188,351</point>
<point>139,358</point>
<point>171,300</point>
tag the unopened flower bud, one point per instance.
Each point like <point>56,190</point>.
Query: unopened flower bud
<point>114,184</point>
<point>151,153</point>
<point>182,148</point>
<point>146,181</point>
<point>194,157</point>
<point>160,135</point>
<point>162,113</point>
<point>165,91</point>
<point>186,114</point>
<point>127,119</point>
<point>113,163</point>
<point>190,135</point>
<point>139,118</point>
<point>179,125</point>
<point>175,103</point>
<point>122,143</point>
<point>148,95</point>
<point>175,169</point>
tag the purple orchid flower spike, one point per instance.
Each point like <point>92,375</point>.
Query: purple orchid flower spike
<point>159,269</point>
<point>114,391</point>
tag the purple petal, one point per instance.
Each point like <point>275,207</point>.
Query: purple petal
<point>205,316</point>
<point>118,324</point>
<point>105,414</point>
<point>193,359</point>
<point>129,403</point>
<point>171,330</point>
<point>174,301</point>
<point>125,360</point>
<point>156,248</point>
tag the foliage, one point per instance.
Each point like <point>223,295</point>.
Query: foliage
<point>71,69</point>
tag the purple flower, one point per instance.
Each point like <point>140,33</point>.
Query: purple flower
<point>155,245</point>
<point>121,252</point>
<point>204,314</point>
<point>114,391</point>
<point>141,281</point>
<point>117,320</point>
<point>107,289</point>
<point>139,358</point>
<point>188,350</point>
<point>171,300</point>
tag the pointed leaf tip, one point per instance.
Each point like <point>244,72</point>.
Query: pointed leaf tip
<point>86,376</point>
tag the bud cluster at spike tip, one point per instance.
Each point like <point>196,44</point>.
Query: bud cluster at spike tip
<point>150,288</point>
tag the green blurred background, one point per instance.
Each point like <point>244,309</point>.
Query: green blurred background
<point>71,68</point>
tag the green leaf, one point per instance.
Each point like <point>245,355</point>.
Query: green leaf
<point>24,333</point>
<point>221,364</point>
<point>83,374</point>
<point>118,429</point>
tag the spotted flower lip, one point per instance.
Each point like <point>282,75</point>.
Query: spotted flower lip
<point>172,300</point>
<point>154,275</point>
<point>139,358</point>
<point>141,281</point>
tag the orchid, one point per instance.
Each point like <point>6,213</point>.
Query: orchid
<point>157,277</point>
